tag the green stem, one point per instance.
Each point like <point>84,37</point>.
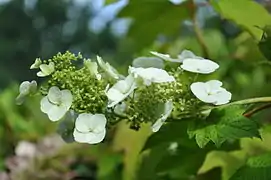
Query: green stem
<point>249,101</point>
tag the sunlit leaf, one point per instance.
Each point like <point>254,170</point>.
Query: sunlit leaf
<point>258,167</point>
<point>223,124</point>
<point>237,11</point>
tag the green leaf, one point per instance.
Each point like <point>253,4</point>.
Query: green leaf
<point>153,18</point>
<point>257,167</point>
<point>168,133</point>
<point>237,11</point>
<point>223,124</point>
<point>265,43</point>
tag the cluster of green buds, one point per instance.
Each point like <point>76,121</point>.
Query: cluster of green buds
<point>92,96</point>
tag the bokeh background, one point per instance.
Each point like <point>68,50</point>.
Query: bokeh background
<point>119,31</point>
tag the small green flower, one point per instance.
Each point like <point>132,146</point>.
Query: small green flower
<point>36,64</point>
<point>56,103</point>
<point>26,88</point>
<point>93,68</point>
<point>46,69</point>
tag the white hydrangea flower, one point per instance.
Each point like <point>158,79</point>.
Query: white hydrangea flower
<point>46,69</point>
<point>36,64</point>
<point>146,62</point>
<point>151,75</point>
<point>211,92</point>
<point>56,103</point>
<point>121,90</point>
<point>26,88</point>
<point>108,69</point>
<point>202,66</point>
<point>168,106</point>
<point>93,68</point>
<point>89,128</point>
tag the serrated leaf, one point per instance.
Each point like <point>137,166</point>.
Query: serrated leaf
<point>237,11</point>
<point>151,18</point>
<point>223,124</point>
<point>257,167</point>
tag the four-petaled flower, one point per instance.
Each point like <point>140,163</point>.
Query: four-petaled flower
<point>26,88</point>
<point>46,69</point>
<point>151,75</point>
<point>121,90</point>
<point>89,128</point>
<point>202,66</point>
<point>108,69</point>
<point>211,92</point>
<point>56,103</point>
<point>167,108</point>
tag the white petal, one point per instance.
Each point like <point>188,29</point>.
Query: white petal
<point>36,64</point>
<point>185,54</point>
<point>33,87</point>
<point>45,105</point>
<point>66,98</point>
<point>24,87</point>
<point>41,74</point>
<point>199,89</point>
<point>90,138</point>
<point>147,62</point>
<point>87,122</point>
<point>82,122</point>
<point>203,66</point>
<point>112,72</point>
<point>168,106</point>
<point>56,112</point>
<point>223,98</point>
<point>54,95</point>
<point>157,125</point>
<point>20,99</point>
<point>120,108</point>
<point>165,57</point>
<point>214,84</point>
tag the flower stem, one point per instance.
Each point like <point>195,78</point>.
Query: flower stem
<point>249,101</point>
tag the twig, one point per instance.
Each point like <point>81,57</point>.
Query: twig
<point>199,35</point>
<point>257,109</point>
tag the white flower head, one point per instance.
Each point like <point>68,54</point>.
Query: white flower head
<point>186,54</point>
<point>211,92</point>
<point>46,69</point>
<point>93,68</point>
<point>56,103</point>
<point>151,75</point>
<point>108,69</point>
<point>167,108</point>
<point>36,64</point>
<point>90,128</point>
<point>146,62</point>
<point>26,88</point>
<point>120,90</point>
<point>202,66</point>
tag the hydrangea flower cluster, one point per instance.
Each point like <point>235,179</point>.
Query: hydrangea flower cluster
<point>93,95</point>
